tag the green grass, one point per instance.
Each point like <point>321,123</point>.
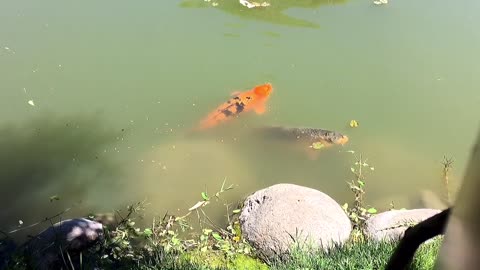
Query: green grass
<point>360,256</point>
<point>351,256</point>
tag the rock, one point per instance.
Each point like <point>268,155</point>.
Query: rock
<point>391,225</point>
<point>272,216</point>
<point>71,236</point>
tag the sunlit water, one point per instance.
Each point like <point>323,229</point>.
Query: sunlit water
<point>96,100</point>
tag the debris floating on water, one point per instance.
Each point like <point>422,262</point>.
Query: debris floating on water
<point>353,124</point>
<point>31,102</point>
<point>317,145</point>
<point>246,3</point>
<point>380,2</point>
<point>9,50</point>
<point>253,4</point>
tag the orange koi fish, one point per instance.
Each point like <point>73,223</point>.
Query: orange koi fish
<point>251,100</point>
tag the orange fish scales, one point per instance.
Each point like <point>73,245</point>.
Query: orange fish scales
<point>253,99</point>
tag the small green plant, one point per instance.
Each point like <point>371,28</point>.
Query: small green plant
<point>357,212</point>
<point>128,244</point>
<point>447,166</point>
<point>392,207</point>
<point>228,241</point>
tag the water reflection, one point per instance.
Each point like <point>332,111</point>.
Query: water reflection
<point>275,13</point>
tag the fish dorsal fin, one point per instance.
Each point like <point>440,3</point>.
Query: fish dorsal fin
<point>235,93</point>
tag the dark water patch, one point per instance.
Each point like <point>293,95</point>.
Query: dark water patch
<point>50,163</point>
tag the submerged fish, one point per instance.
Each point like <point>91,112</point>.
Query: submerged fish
<point>251,100</point>
<point>306,134</point>
<point>307,137</point>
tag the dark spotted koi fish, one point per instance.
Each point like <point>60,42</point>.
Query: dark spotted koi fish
<point>305,135</point>
<point>251,100</point>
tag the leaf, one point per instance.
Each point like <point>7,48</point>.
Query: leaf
<point>317,145</point>
<point>207,231</point>
<point>353,123</point>
<point>205,196</point>
<point>147,232</point>
<point>217,236</point>
<point>204,249</point>
<point>361,183</point>
<point>54,198</point>
<point>176,241</point>
<point>236,211</point>
<point>372,210</point>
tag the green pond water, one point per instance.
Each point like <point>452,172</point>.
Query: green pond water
<point>97,97</point>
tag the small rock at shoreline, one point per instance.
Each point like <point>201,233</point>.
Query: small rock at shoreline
<point>72,236</point>
<point>391,225</point>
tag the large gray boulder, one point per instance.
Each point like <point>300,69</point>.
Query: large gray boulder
<point>71,236</point>
<point>391,225</point>
<point>271,218</point>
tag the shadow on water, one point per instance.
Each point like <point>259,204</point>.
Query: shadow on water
<point>47,157</point>
<point>275,13</point>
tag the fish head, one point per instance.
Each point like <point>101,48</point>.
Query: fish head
<point>263,90</point>
<point>341,139</point>
<point>335,138</point>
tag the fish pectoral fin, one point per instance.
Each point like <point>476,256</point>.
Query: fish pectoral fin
<point>260,109</point>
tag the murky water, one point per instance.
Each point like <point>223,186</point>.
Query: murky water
<point>96,99</point>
